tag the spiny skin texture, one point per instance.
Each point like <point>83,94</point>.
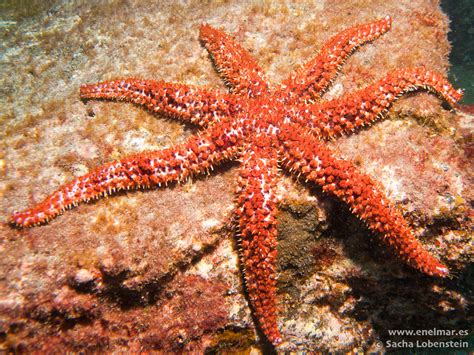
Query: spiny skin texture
<point>266,129</point>
<point>310,81</point>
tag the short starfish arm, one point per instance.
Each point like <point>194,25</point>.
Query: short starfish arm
<point>236,66</point>
<point>256,211</point>
<point>187,103</point>
<point>314,77</point>
<point>305,155</point>
<point>197,154</point>
<point>352,111</point>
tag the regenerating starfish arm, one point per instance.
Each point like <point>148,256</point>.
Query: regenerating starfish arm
<point>309,82</point>
<point>190,104</point>
<point>338,177</point>
<point>196,155</point>
<point>256,211</point>
<point>349,112</point>
<point>234,64</point>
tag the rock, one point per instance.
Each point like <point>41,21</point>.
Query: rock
<point>158,269</point>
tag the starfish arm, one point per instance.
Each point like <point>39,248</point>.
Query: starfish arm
<point>256,211</point>
<point>352,111</point>
<point>197,154</point>
<point>307,156</point>
<point>190,104</point>
<point>237,67</point>
<point>314,77</point>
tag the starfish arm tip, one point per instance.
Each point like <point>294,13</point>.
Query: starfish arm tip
<point>204,30</point>
<point>24,219</point>
<point>443,271</point>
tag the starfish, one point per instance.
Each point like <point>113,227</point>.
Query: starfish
<point>267,129</point>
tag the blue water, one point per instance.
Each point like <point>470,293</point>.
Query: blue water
<point>461,14</point>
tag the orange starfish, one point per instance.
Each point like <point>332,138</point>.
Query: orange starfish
<point>265,128</point>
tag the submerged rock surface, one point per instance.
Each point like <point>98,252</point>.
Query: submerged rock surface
<point>158,269</point>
